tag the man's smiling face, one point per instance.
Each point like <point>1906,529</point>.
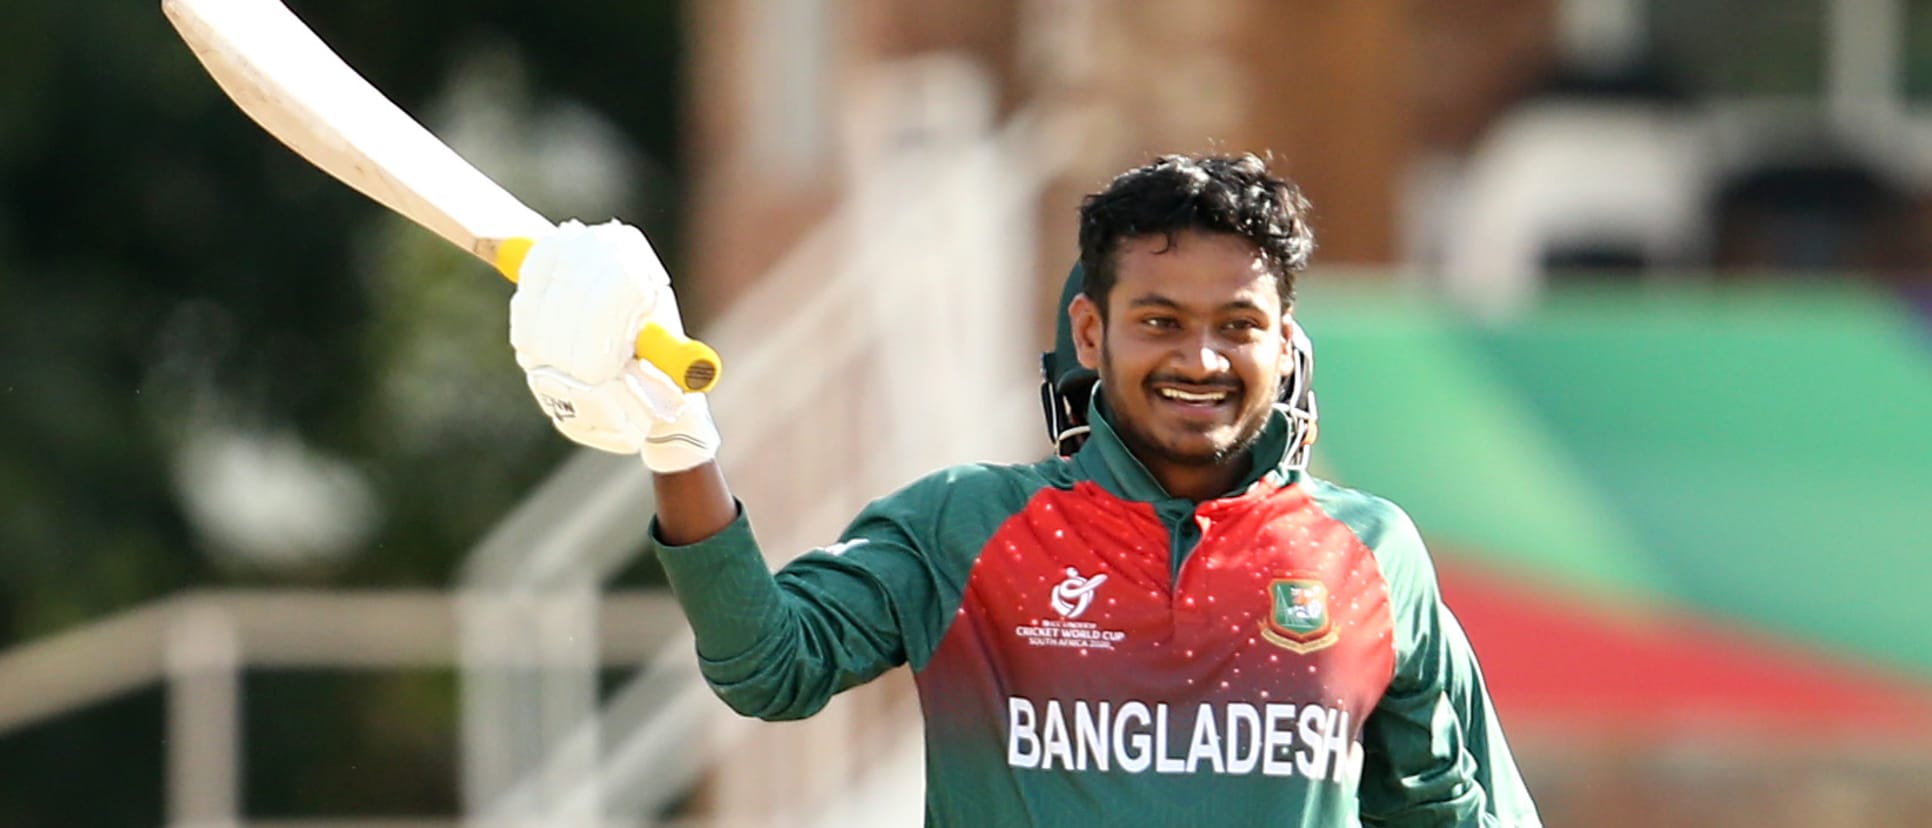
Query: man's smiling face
<point>1191,354</point>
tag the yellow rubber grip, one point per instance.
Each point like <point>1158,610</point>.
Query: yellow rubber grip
<point>693,365</point>
<point>510,254</point>
<point>690,363</point>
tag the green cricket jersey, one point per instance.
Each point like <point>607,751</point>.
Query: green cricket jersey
<point>1092,651</point>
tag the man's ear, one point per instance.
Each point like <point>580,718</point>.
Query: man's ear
<point>1285,361</point>
<point>1087,330</point>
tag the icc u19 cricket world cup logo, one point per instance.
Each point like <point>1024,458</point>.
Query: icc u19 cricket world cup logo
<point>1072,596</point>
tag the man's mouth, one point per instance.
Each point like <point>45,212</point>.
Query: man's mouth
<point>1196,397</point>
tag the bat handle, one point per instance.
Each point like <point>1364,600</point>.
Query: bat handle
<point>690,363</point>
<point>693,365</point>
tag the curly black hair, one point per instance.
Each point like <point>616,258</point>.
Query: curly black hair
<point>1233,194</point>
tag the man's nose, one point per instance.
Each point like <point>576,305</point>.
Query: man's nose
<point>1200,357</point>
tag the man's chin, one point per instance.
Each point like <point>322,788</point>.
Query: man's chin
<point>1197,452</point>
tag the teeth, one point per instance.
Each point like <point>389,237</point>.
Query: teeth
<point>1184,396</point>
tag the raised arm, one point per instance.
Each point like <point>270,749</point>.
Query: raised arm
<point>772,646</point>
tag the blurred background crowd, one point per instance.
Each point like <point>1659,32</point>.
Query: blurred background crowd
<point>1629,302</point>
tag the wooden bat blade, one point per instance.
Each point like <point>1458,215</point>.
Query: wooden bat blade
<point>297,88</point>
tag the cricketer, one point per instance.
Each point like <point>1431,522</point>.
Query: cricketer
<point>1169,622</point>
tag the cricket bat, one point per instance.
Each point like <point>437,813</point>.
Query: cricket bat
<point>292,84</point>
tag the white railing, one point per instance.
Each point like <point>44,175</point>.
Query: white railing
<point>198,645</point>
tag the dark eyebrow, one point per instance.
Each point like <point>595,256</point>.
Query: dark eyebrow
<point>1155,300</point>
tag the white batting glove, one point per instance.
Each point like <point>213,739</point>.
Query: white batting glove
<point>582,295</point>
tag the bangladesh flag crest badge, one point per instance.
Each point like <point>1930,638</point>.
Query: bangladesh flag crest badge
<point>1298,620</point>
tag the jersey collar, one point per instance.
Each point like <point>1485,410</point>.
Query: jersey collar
<point>1107,461</point>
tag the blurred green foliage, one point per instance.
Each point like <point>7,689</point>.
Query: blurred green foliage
<point>164,265</point>
<point>1768,48</point>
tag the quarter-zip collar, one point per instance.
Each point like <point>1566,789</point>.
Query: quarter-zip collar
<point>1107,461</point>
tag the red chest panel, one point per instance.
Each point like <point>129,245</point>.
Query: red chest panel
<point>1073,599</point>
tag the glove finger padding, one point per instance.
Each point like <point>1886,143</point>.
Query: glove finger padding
<point>582,295</point>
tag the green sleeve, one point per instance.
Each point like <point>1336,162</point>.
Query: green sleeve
<point>1433,750</point>
<point>780,646</point>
